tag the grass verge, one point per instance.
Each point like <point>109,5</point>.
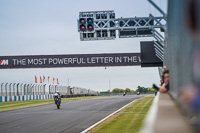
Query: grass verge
<point>28,103</point>
<point>128,120</point>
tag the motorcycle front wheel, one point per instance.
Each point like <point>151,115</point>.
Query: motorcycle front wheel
<point>58,106</point>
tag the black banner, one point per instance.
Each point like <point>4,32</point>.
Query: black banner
<point>74,60</point>
<point>148,55</point>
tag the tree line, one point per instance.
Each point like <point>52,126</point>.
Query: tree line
<point>139,89</point>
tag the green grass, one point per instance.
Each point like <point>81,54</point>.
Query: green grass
<point>128,120</point>
<point>28,103</point>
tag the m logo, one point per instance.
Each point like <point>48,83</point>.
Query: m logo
<point>3,62</point>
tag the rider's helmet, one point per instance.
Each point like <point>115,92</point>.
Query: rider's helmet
<point>57,92</point>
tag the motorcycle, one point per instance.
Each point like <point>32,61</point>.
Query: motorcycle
<point>57,101</point>
<point>124,93</point>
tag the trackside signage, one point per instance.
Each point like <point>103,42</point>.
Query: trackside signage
<point>74,60</point>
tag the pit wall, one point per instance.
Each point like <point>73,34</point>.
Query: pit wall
<point>25,97</point>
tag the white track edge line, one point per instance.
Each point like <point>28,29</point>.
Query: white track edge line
<point>89,128</point>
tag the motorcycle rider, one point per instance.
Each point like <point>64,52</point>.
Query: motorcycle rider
<point>124,93</point>
<point>57,95</point>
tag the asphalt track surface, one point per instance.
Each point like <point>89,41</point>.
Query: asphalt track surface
<point>72,117</point>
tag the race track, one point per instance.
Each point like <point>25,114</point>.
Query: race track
<point>72,117</point>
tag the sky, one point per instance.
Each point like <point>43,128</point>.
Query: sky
<point>49,27</point>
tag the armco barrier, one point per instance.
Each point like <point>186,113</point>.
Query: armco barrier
<point>25,97</point>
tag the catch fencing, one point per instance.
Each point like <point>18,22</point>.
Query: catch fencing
<point>182,56</point>
<point>21,91</point>
<point>16,89</point>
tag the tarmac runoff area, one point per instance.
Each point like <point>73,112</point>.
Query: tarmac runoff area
<point>72,117</point>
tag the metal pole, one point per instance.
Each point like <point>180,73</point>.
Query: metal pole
<point>6,87</point>
<point>10,89</point>
<point>14,89</point>
<point>158,8</point>
<point>33,88</point>
<point>21,89</point>
<point>2,89</point>
<point>109,85</point>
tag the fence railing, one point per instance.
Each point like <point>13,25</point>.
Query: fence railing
<point>17,89</point>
